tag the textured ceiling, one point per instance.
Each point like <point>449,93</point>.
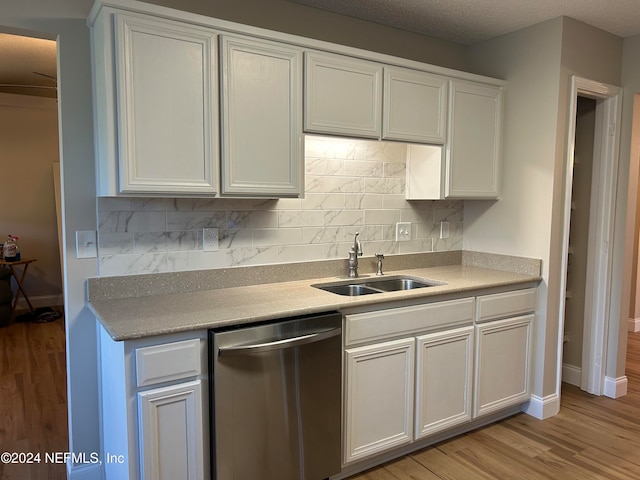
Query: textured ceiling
<point>472,21</point>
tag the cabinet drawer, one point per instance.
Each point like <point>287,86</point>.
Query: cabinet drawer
<point>168,362</point>
<point>508,304</point>
<point>363,327</point>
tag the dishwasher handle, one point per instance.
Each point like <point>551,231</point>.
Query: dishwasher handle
<point>250,348</point>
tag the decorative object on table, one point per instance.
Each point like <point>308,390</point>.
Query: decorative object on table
<point>11,249</point>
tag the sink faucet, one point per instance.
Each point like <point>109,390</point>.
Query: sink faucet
<point>355,252</point>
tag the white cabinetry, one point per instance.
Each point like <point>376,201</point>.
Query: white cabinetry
<point>475,138</point>
<point>504,334</point>
<point>347,96</point>
<point>414,372</point>
<point>343,95</point>
<point>469,165</point>
<point>171,441</point>
<point>262,145</point>
<point>384,400</point>
<point>379,397</point>
<point>444,380</point>
<point>154,401</point>
<point>156,105</point>
<point>415,106</point>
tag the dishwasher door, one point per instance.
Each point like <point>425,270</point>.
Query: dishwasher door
<point>276,393</point>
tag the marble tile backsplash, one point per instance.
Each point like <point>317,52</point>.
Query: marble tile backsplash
<point>351,186</point>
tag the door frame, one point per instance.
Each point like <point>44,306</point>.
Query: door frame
<point>601,228</point>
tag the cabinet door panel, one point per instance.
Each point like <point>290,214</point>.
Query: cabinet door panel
<point>473,156</point>
<point>171,438</point>
<point>379,397</point>
<point>415,106</point>
<point>343,95</point>
<point>443,380</point>
<point>167,106</point>
<point>262,118</point>
<point>503,364</point>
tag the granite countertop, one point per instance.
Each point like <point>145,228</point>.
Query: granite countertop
<point>150,315</point>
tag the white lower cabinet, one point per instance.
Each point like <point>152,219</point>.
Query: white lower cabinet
<point>379,406</point>
<point>154,407</point>
<point>503,350</point>
<point>443,380</point>
<point>170,430</point>
<point>503,364</point>
<point>414,372</point>
<point>388,392</point>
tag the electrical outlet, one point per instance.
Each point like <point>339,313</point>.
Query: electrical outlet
<point>444,229</point>
<point>86,244</point>
<point>403,231</point>
<point>210,239</point>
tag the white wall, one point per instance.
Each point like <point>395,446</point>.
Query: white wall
<point>29,139</point>
<point>537,63</point>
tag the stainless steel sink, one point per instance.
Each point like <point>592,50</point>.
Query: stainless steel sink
<point>377,285</point>
<point>348,289</point>
<point>394,284</point>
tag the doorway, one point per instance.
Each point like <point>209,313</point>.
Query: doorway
<point>595,112</point>
<point>32,349</point>
<point>577,254</point>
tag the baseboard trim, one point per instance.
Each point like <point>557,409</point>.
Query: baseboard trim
<point>571,374</point>
<point>634,325</point>
<point>615,387</point>
<point>84,472</point>
<point>542,407</point>
<point>40,301</point>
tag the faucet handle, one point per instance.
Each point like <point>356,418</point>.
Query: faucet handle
<point>380,257</point>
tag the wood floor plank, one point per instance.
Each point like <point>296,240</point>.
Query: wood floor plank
<point>33,398</point>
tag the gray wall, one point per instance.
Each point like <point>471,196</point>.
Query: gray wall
<point>289,17</point>
<point>537,63</point>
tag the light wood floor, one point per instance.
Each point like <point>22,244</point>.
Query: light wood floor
<point>591,438</point>
<point>33,397</point>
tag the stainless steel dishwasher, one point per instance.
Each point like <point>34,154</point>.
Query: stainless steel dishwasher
<point>275,400</point>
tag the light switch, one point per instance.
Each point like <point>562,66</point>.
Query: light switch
<point>86,245</point>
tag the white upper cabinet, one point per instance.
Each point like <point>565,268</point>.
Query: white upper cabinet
<point>415,106</point>
<point>156,106</point>
<point>343,95</point>
<point>469,164</point>
<point>475,138</point>
<point>262,143</point>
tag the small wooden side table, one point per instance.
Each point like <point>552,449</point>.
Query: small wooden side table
<point>19,279</point>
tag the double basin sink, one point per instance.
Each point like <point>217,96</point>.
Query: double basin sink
<point>354,288</point>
